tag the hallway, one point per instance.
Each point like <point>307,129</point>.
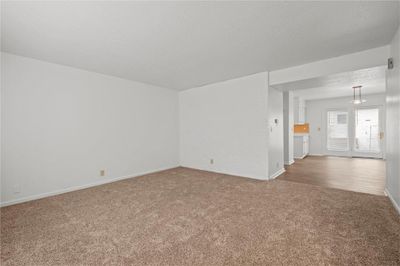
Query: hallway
<point>354,174</point>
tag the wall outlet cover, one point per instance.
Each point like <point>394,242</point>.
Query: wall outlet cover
<point>16,189</point>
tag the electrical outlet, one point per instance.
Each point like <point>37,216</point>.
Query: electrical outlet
<point>16,189</point>
<point>211,161</point>
<point>102,172</point>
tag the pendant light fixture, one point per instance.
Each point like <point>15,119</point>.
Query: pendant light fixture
<point>357,99</point>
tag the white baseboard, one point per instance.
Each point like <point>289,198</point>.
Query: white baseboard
<point>396,206</point>
<point>226,173</point>
<point>316,154</point>
<point>70,189</point>
<point>277,173</point>
<point>289,163</point>
<point>302,157</point>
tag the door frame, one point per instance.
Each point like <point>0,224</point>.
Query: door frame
<point>378,155</point>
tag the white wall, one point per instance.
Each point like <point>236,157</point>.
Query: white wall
<point>317,115</point>
<point>288,123</point>
<point>393,125</point>
<point>226,122</point>
<point>299,110</point>
<point>275,121</point>
<point>61,125</point>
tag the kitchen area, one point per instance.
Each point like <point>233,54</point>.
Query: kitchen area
<point>301,129</point>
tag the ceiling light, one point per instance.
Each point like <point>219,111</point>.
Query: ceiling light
<point>357,99</point>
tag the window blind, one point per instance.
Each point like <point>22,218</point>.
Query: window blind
<point>337,131</point>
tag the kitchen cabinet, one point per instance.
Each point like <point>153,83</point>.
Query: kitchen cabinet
<point>301,145</point>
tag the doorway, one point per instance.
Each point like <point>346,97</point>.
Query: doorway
<point>368,133</point>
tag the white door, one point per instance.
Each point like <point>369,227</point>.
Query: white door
<point>368,135</point>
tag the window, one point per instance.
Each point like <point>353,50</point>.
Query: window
<point>337,137</point>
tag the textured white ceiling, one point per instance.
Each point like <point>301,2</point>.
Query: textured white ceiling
<point>182,45</point>
<point>372,81</point>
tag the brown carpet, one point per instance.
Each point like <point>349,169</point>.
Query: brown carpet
<point>190,217</point>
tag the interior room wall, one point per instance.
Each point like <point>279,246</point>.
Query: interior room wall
<point>299,110</point>
<point>276,135</point>
<point>296,110</point>
<point>223,127</point>
<point>288,122</point>
<point>393,125</point>
<point>317,115</point>
<point>62,125</point>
